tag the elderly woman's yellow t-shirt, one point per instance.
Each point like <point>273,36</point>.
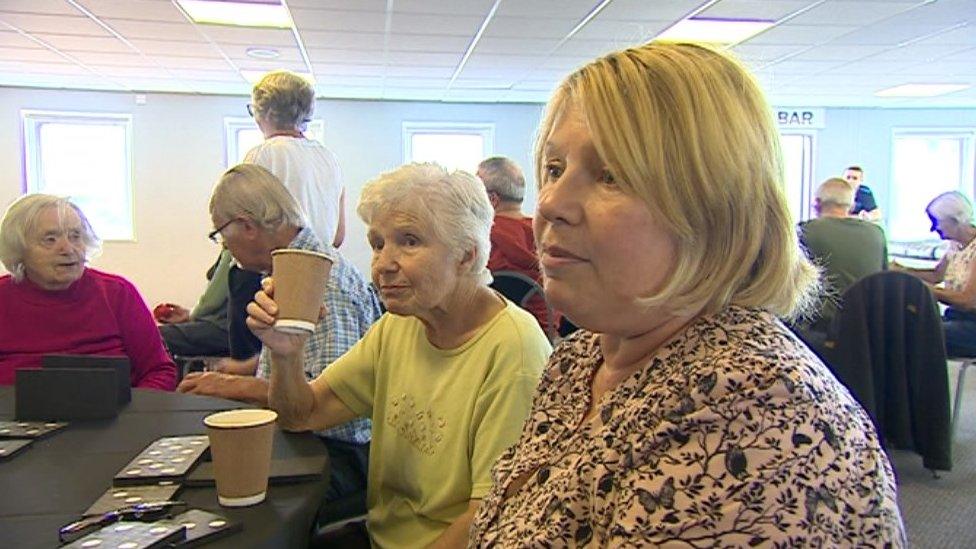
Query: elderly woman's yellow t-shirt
<point>440,417</point>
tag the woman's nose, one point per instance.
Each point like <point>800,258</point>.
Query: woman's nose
<point>559,201</point>
<point>385,259</point>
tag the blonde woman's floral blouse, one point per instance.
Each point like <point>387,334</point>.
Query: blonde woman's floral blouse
<point>735,434</point>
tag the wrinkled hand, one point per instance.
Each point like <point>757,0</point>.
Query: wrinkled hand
<point>209,384</point>
<point>261,315</point>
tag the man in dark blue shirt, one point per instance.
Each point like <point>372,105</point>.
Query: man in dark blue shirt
<point>865,207</point>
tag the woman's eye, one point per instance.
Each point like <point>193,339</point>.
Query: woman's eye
<point>607,177</point>
<point>553,171</point>
<point>74,236</point>
<point>411,240</point>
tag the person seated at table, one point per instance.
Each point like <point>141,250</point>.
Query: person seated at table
<point>683,412</point>
<point>256,216</point>
<point>446,375</point>
<point>512,244</point>
<point>52,303</point>
<point>202,331</point>
<point>953,280</point>
<point>847,248</point>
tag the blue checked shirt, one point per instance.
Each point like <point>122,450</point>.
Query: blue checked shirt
<point>352,307</point>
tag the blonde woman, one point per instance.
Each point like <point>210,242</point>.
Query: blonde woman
<point>683,413</point>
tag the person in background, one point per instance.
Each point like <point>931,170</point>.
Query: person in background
<point>202,331</point>
<point>446,375</point>
<point>512,243</point>
<point>52,303</point>
<point>260,216</point>
<point>683,412</point>
<point>282,104</point>
<point>865,207</point>
<point>848,249</point>
<point>953,280</point>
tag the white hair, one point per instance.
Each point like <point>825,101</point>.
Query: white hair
<point>454,204</point>
<point>951,205</point>
<point>20,220</point>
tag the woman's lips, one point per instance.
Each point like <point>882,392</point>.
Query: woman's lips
<point>555,256</point>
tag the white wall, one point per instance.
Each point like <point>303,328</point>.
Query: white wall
<point>178,153</point>
<point>862,137</point>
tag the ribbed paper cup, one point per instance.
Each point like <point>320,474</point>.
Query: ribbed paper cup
<point>240,445</point>
<point>300,277</point>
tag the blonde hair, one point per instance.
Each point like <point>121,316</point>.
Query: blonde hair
<point>454,205</point>
<point>285,99</point>
<point>836,192</point>
<point>252,191</point>
<point>20,220</point>
<point>687,130</point>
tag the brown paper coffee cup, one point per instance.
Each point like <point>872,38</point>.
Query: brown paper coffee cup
<point>300,277</point>
<point>240,445</point>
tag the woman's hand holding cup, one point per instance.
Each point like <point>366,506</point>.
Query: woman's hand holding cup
<point>261,316</point>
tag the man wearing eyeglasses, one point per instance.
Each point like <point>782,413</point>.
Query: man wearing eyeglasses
<point>282,104</point>
<point>253,215</point>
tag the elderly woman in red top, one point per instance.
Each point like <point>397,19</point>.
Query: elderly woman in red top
<point>51,303</point>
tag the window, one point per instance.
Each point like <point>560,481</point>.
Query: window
<point>455,146</point>
<point>926,163</point>
<point>86,157</point>
<point>242,135</point>
<point>797,150</point>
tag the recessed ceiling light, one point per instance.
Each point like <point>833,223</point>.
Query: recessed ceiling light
<point>714,31</point>
<point>255,13</point>
<point>262,53</point>
<point>254,76</point>
<point>920,90</point>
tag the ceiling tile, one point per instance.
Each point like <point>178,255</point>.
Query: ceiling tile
<point>153,10</point>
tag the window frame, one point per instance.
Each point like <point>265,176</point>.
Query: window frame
<point>484,129</point>
<point>808,186</point>
<point>232,124</point>
<point>32,119</point>
<point>967,169</point>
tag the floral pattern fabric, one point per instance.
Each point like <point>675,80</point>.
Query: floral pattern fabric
<point>735,434</point>
<point>959,261</point>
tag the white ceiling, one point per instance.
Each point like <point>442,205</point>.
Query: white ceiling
<point>821,53</point>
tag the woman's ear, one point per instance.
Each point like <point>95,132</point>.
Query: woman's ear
<point>467,259</point>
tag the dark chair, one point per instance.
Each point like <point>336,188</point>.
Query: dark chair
<point>964,364</point>
<point>519,289</point>
<point>887,346</point>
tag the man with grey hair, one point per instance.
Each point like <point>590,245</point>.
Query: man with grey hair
<point>512,240</point>
<point>847,248</point>
<point>253,215</point>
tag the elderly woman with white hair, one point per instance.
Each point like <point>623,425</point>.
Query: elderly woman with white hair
<point>683,413</point>
<point>52,303</point>
<point>953,280</point>
<point>446,375</point>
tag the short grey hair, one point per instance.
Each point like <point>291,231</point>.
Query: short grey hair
<point>503,176</point>
<point>951,205</point>
<point>20,220</point>
<point>251,191</point>
<point>284,99</point>
<point>455,204</point>
<point>836,192</point>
